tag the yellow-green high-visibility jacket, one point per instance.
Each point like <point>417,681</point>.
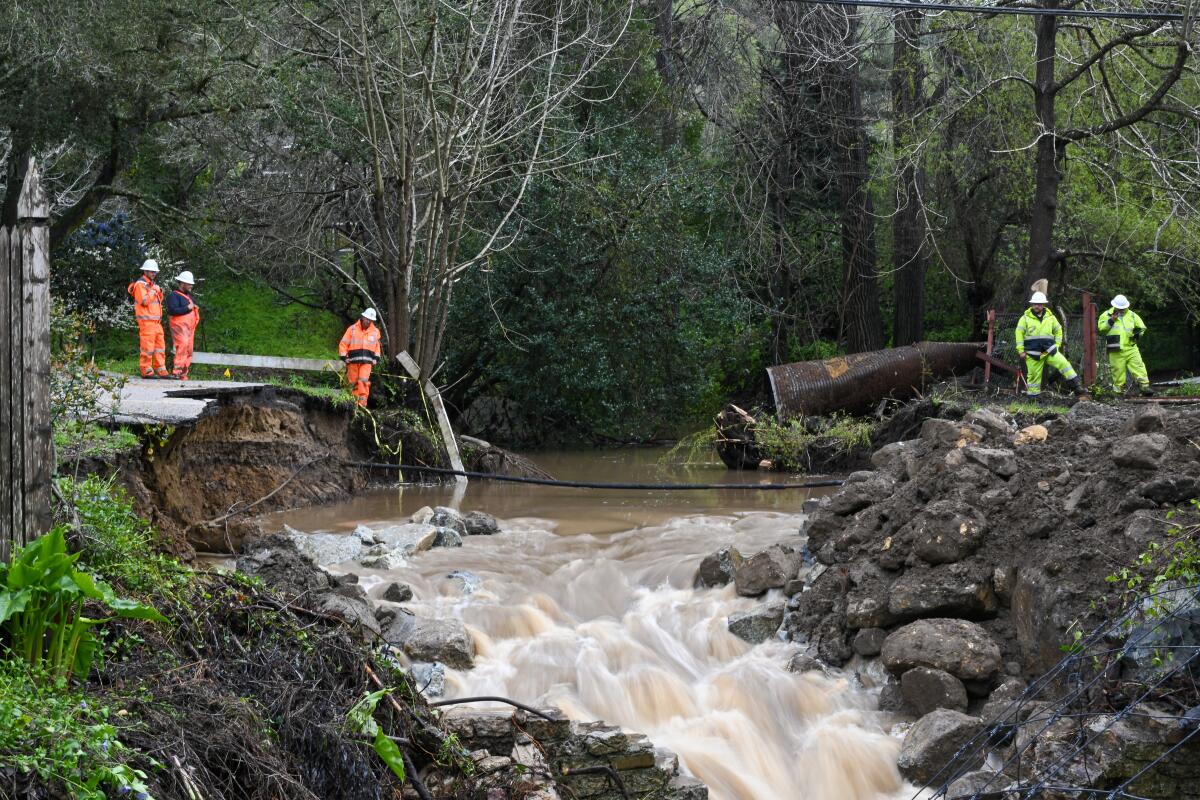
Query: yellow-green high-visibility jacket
<point>1126,326</point>
<point>1036,336</point>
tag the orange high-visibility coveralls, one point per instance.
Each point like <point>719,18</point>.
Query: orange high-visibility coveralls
<point>147,309</point>
<point>183,333</point>
<point>360,350</point>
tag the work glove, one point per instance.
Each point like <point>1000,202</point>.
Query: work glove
<point>1137,335</point>
<point>1020,354</point>
<point>345,359</point>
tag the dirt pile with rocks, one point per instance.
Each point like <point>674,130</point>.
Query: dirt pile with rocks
<point>967,560</point>
<point>1014,530</point>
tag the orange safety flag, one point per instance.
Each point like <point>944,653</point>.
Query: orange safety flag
<point>147,309</point>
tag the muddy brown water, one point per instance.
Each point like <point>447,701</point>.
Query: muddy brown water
<point>585,602</point>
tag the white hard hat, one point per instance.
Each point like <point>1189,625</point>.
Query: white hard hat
<point>1039,298</point>
<point>185,277</point>
<point>1120,301</point>
<point>149,265</point>
<point>370,314</point>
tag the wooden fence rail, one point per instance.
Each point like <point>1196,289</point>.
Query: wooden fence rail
<point>26,450</point>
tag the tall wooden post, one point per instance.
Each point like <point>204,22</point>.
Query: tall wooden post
<point>26,449</point>
<point>1089,340</point>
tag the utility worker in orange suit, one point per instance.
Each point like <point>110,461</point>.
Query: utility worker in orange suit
<point>184,315</point>
<point>147,309</point>
<point>360,350</point>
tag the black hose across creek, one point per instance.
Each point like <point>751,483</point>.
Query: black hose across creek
<point>666,487</point>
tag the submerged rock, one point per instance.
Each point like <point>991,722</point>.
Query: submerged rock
<point>718,569</point>
<point>398,592</point>
<point>771,568</point>
<point>480,524</point>
<point>758,624</point>
<point>444,517</point>
<point>444,640</point>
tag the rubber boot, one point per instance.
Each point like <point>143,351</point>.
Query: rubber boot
<point>1077,387</point>
<point>1146,391</point>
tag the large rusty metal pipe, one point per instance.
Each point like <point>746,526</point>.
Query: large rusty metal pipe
<point>857,382</point>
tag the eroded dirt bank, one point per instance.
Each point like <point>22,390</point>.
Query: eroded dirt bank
<point>270,449</point>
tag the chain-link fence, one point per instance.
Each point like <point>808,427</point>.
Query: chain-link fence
<point>1005,344</point>
<point>1119,717</point>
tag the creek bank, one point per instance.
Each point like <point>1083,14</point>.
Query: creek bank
<point>262,449</point>
<point>544,750</point>
<point>966,557</point>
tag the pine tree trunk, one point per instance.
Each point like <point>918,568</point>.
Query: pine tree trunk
<point>908,226</point>
<point>1050,151</point>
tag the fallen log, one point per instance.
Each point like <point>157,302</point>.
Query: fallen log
<point>856,383</point>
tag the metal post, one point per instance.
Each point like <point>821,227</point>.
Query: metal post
<point>987,365</point>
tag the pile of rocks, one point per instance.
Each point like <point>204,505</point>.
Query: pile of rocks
<point>967,555</point>
<point>591,760</point>
<point>390,547</point>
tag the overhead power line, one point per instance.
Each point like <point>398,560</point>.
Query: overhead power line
<point>1025,10</point>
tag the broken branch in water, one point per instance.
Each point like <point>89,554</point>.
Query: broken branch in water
<point>493,699</point>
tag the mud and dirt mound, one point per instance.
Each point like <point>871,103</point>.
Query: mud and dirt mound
<point>276,450</point>
<point>1015,531</point>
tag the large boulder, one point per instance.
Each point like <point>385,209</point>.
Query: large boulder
<point>278,561</point>
<point>718,569</point>
<point>933,741</point>
<point>771,568</point>
<point>894,458</point>
<point>480,524</point>
<point>444,640</point>
<point>954,590</point>
<point>992,421</point>
<point>758,624</point>
<point>479,729</point>
<point>999,461</point>
<point>947,531</point>
<point>326,548</point>
<point>868,642</point>
<point>1142,451</point>
<point>947,433</point>
<point>854,497</point>
<point>1168,489</point>
<point>413,537</point>
<point>961,648</point>
<point>1150,419</point>
<point>445,517</point>
<point>925,690</point>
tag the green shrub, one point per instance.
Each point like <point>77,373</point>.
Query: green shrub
<point>51,730</point>
<point>787,444</point>
<point>73,438</point>
<point>42,598</point>
<point>116,543</point>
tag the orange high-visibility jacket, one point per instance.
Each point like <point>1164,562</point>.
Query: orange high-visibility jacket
<point>147,299</point>
<point>359,345</point>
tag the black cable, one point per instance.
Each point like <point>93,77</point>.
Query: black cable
<point>667,487</point>
<point>981,9</point>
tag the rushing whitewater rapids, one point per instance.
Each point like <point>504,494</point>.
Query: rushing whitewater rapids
<point>606,625</point>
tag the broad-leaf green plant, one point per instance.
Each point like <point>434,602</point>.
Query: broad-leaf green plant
<point>361,719</point>
<point>42,600</point>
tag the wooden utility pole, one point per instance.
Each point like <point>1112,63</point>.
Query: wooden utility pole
<point>26,450</point>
